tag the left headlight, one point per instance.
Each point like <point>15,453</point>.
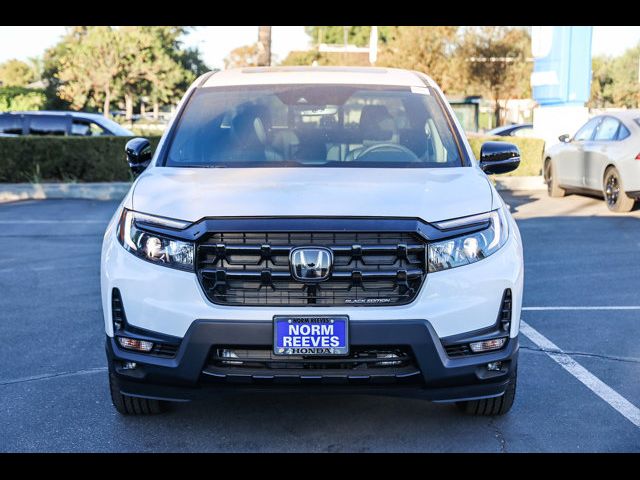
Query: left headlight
<point>466,249</point>
<point>152,246</point>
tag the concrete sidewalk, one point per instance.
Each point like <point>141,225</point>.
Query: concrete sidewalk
<point>11,192</point>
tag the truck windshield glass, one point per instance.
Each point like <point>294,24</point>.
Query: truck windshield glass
<point>313,126</point>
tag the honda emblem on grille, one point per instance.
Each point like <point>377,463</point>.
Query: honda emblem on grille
<point>311,264</point>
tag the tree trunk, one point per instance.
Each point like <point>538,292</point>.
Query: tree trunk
<point>107,102</point>
<point>497,113</point>
<point>156,110</point>
<point>264,46</point>
<point>143,109</point>
<point>128,106</point>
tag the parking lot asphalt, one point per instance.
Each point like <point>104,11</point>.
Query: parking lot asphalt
<point>581,278</point>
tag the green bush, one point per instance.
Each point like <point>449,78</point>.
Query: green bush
<point>64,159</point>
<point>102,159</point>
<point>531,151</point>
<point>20,98</point>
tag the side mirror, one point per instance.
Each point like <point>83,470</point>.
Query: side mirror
<point>499,157</point>
<point>139,154</point>
<point>564,138</point>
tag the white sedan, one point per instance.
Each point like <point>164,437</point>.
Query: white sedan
<point>602,157</point>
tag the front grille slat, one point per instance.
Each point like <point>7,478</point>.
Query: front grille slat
<point>165,350</point>
<point>459,350</point>
<point>379,364</point>
<point>252,268</point>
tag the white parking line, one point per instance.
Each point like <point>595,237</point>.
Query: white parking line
<point>48,376</point>
<point>44,268</point>
<point>597,386</point>
<point>626,307</point>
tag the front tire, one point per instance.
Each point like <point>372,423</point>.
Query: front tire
<point>127,405</point>
<point>614,194</point>
<point>490,407</point>
<point>552,182</point>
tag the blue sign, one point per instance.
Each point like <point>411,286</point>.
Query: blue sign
<point>562,65</point>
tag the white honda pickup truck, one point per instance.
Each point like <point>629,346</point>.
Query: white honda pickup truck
<point>315,229</point>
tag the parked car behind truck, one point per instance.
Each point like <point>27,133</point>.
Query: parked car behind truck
<point>603,157</point>
<point>48,122</point>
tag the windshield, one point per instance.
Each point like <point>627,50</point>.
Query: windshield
<point>313,126</point>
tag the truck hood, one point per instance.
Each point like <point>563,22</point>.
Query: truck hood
<point>431,194</point>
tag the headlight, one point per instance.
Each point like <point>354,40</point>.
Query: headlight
<point>151,246</point>
<point>469,248</point>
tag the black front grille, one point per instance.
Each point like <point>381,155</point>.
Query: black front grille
<point>253,269</point>
<point>376,364</point>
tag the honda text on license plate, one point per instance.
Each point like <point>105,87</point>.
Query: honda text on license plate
<point>313,335</point>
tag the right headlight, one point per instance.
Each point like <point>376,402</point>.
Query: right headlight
<point>466,249</point>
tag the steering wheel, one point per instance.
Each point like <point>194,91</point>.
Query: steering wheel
<point>386,146</point>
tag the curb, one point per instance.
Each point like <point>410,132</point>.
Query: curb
<point>11,192</point>
<point>520,183</point>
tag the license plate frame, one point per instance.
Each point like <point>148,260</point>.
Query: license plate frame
<point>334,326</point>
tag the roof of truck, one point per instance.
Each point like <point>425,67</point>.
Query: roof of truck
<point>316,75</point>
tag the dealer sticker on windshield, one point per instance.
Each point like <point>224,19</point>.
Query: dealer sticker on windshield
<point>311,335</point>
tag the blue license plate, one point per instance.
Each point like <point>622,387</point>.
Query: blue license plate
<point>313,335</point>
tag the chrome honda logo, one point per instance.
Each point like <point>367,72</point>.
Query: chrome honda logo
<point>311,264</point>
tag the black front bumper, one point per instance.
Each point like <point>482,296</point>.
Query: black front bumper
<point>185,377</point>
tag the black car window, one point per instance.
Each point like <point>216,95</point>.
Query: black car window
<point>43,125</point>
<point>11,124</point>
<point>86,128</point>
<point>607,129</point>
<point>586,132</point>
<point>355,126</point>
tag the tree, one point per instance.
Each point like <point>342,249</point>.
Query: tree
<point>148,69</point>
<point>601,82</point>
<point>427,49</point>
<point>20,98</point>
<point>495,60</point>
<point>173,68</point>
<point>245,56</point>
<point>625,69</point>
<point>264,46</point>
<point>95,66</point>
<point>90,66</point>
<point>15,73</point>
<point>191,61</point>
<point>356,35</point>
<point>50,69</point>
<point>306,57</point>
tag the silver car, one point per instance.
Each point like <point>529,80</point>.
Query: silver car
<point>602,157</point>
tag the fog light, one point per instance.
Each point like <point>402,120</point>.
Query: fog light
<point>129,365</point>
<point>487,345</point>
<point>230,354</point>
<point>134,344</point>
<point>494,366</point>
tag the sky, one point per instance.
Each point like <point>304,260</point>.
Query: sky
<point>216,42</point>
